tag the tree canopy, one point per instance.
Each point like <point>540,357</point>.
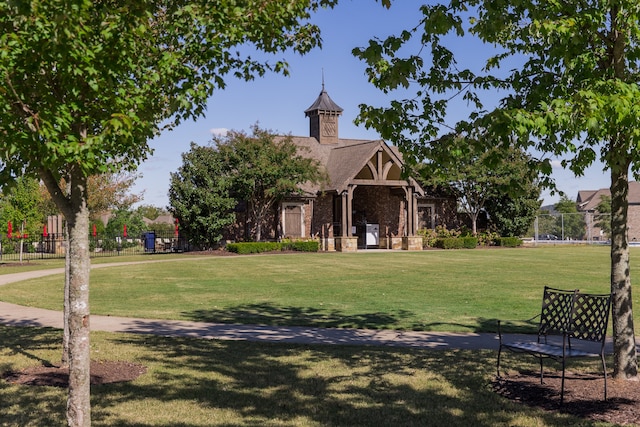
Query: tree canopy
<point>477,175</point>
<point>565,75</point>
<point>572,224</point>
<point>86,84</point>
<point>199,196</point>
<point>256,170</point>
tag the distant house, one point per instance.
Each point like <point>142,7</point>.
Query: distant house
<point>588,201</point>
<point>366,203</point>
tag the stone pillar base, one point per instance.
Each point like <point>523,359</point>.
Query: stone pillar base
<point>412,243</point>
<point>390,243</point>
<point>346,244</point>
<point>327,244</point>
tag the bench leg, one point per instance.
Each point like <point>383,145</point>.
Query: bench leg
<point>604,371</point>
<point>541,371</point>
<point>562,383</point>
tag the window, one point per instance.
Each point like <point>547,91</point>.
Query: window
<point>426,218</point>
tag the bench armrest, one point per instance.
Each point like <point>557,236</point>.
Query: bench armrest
<point>499,322</point>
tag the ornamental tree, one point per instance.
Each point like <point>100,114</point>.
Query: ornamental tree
<point>264,169</point>
<point>199,196</point>
<point>86,84</point>
<point>560,78</point>
<point>474,174</point>
<point>256,171</point>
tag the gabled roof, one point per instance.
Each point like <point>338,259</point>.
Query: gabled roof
<point>344,160</point>
<point>588,200</point>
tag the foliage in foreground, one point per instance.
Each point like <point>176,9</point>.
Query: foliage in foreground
<point>571,92</point>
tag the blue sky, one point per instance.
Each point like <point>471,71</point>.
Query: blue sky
<point>277,103</point>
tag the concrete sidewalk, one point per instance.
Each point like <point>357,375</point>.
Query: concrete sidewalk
<point>11,314</point>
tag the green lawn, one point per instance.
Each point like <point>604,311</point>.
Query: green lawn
<point>461,290</point>
<point>192,382</point>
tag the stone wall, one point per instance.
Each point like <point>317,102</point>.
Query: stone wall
<point>380,205</point>
<point>633,223</point>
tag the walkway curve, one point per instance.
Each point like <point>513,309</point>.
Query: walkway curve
<point>16,315</point>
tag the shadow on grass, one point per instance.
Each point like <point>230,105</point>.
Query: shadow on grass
<point>195,382</point>
<point>28,342</point>
<point>269,384</point>
<point>274,315</point>
<point>28,346</point>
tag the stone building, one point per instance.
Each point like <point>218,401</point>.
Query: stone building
<point>588,201</point>
<point>366,203</point>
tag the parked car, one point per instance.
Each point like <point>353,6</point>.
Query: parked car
<point>547,237</point>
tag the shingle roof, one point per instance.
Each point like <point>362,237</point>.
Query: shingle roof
<point>323,103</point>
<point>588,200</point>
<point>341,161</point>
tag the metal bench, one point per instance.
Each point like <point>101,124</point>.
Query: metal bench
<point>576,319</point>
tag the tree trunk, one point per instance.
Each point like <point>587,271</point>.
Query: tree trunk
<point>78,402</point>
<point>65,312</point>
<point>624,347</point>
<point>73,204</point>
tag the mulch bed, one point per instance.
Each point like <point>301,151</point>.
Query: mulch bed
<point>102,372</point>
<point>583,395</point>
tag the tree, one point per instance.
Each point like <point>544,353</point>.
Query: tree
<point>151,212</point>
<point>603,215</point>
<point>128,218</point>
<point>256,170</point>
<point>86,84</point>
<point>263,171</point>
<point>107,191</point>
<point>199,196</point>
<point>474,174</point>
<point>22,206</point>
<point>513,214</point>
<point>566,78</point>
<point>573,225</point>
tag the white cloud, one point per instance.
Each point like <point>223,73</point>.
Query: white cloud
<point>219,131</point>
<point>556,164</point>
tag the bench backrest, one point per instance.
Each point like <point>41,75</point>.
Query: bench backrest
<point>555,316</point>
<point>590,317</point>
<point>583,316</point>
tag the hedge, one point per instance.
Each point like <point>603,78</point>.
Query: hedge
<point>509,242</point>
<point>457,243</point>
<point>245,248</point>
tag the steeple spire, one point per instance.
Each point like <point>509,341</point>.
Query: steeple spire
<point>323,118</point>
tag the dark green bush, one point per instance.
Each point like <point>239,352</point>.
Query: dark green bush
<point>470,242</point>
<point>509,242</point>
<point>302,246</point>
<point>448,243</point>
<point>260,247</point>
<point>245,248</point>
<point>457,243</point>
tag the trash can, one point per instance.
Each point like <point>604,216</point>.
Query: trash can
<point>149,241</point>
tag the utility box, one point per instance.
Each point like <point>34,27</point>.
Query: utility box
<point>372,235</point>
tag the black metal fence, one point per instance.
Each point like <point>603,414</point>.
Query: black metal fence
<point>54,246</point>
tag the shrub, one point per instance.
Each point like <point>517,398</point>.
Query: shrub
<point>509,242</point>
<point>470,242</point>
<point>430,237</point>
<point>253,247</point>
<point>245,248</point>
<point>457,243</point>
<point>302,246</point>
<point>488,238</point>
